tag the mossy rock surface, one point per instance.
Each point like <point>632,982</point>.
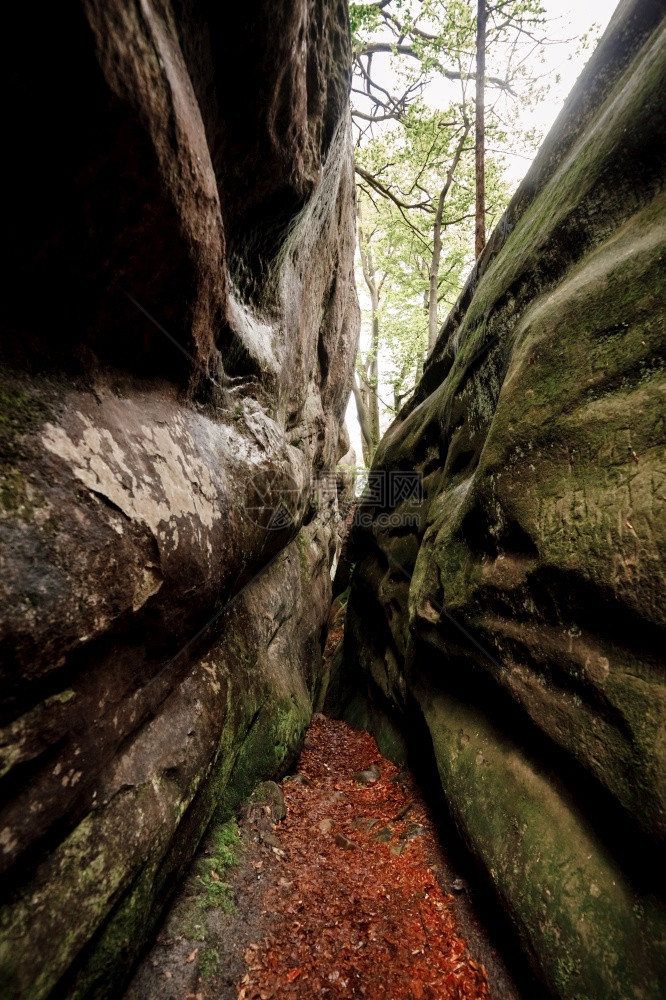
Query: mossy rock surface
<point>598,937</point>
<point>238,718</point>
<point>527,611</point>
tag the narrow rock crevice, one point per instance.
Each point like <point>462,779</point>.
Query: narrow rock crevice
<point>178,345</point>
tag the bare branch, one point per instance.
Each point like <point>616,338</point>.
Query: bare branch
<point>378,186</point>
<point>370,48</point>
<point>394,116</point>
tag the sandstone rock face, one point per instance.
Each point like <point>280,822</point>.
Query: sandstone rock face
<point>524,621</point>
<point>179,336</point>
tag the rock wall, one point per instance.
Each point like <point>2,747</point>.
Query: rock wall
<point>522,624</point>
<point>177,348</point>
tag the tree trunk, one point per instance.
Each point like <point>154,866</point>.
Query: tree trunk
<point>369,388</point>
<point>480,231</point>
<point>433,282</point>
<point>367,442</point>
<point>374,375</point>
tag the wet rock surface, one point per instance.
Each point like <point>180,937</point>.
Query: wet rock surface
<point>518,631</point>
<point>177,349</point>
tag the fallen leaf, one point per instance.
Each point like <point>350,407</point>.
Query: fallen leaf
<point>361,919</point>
<point>190,958</point>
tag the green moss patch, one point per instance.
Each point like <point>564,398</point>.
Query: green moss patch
<point>21,412</point>
<point>209,885</point>
<point>592,936</point>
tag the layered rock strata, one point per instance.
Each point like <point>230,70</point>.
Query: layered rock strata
<point>178,343</point>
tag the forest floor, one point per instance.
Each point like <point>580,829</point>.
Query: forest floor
<point>334,884</point>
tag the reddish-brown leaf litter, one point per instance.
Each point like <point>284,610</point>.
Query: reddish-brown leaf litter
<point>359,910</point>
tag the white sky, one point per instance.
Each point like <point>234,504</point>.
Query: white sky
<point>570,21</point>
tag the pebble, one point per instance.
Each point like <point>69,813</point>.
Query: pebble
<point>364,823</point>
<point>369,776</point>
<point>402,778</point>
<point>384,836</point>
<point>413,830</point>
<point>345,842</point>
<point>300,778</point>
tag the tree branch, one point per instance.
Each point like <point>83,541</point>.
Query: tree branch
<point>394,116</point>
<point>370,48</point>
<point>370,179</point>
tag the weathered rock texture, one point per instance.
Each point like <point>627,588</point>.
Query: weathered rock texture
<point>190,162</point>
<point>524,622</point>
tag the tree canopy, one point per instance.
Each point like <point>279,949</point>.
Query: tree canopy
<point>435,107</point>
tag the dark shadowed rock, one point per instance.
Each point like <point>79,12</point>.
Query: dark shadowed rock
<point>177,347</point>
